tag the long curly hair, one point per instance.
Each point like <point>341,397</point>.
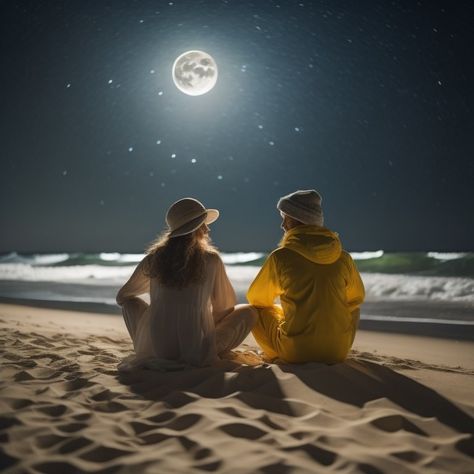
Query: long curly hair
<point>180,261</point>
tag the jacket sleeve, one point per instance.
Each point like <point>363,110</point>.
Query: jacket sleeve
<point>266,286</point>
<point>223,297</point>
<point>355,291</point>
<point>138,283</point>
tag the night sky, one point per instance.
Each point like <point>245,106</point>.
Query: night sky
<point>369,102</point>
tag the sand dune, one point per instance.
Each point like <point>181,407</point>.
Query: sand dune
<point>65,408</point>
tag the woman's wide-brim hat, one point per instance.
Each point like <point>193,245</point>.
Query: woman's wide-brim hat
<point>187,215</point>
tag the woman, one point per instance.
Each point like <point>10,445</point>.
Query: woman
<point>192,317</point>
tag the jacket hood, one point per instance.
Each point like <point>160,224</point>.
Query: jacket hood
<point>317,244</point>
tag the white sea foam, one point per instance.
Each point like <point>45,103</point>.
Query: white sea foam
<point>93,274</point>
<point>366,255</point>
<point>241,276</point>
<point>40,259</point>
<point>49,259</point>
<point>121,257</point>
<point>446,255</point>
<point>240,257</point>
<point>410,287</point>
<point>379,286</point>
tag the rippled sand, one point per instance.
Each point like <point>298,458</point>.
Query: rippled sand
<point>398,404</point>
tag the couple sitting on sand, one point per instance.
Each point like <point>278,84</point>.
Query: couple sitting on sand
<point>193,318</point>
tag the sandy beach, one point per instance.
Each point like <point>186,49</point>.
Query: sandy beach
<point>399,404</point>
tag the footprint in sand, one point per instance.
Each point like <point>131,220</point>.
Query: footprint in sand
<point>103,454</point>
<point>109,407</point>
<point>140,428</point>
<point>71,427</point>
<point>153,438</point>
<point>53,410</point>
<point>8,421</point>
<point>394,423</point>
<point>241,430</point>
<point>321,455</point>
<point>49,440</point>
<point>161,417</point>
<point>76,384</point>
<point>183,422</point>
<point>75,444</point>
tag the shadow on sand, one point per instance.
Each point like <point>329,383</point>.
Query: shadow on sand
<point>349,389</point>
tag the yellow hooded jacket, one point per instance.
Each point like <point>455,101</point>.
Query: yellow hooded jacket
<point>319,287</point>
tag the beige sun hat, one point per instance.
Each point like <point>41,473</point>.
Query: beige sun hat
<point>187,215</point>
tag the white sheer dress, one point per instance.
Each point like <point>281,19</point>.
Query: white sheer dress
<point>189,326</point>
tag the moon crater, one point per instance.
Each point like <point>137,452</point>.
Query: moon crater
<point>195,72</point>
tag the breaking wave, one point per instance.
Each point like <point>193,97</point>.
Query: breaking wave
<point>412,276</point>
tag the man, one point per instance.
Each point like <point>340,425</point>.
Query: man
<point>318,284</point>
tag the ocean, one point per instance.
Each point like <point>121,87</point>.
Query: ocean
<point>426,291</point>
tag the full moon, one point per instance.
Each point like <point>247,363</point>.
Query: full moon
<point>195,72</point>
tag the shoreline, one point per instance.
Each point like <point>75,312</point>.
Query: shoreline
<point>375,316</point>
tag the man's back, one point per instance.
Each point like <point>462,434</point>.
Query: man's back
<point>319,286</point>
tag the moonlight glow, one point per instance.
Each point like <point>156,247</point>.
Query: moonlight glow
<point>195,72</point>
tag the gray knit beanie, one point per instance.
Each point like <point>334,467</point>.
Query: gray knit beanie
<point>304,206</point>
